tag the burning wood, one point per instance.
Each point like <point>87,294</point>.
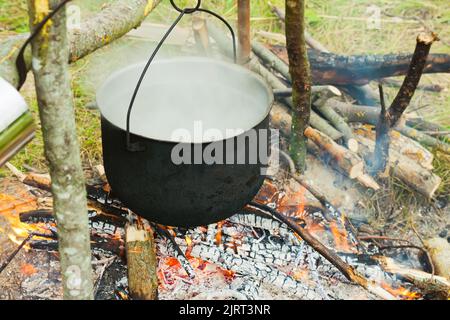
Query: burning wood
<point>141,261</point>
<point>252,252</point>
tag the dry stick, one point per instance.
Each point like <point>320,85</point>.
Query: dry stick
<point>15,252</point>
<point>112,22</point>
<point>366,114</point>
<point>412,79</point>
<point>244,31</point>
<point>350,162</point>
<point>363,93</point>
<point>381,154</point>
<point>338,122</point>
<point>424,139</point>
<point>141,261</point>
<point>348,271</point>
<point>181,257</point>
<point>395,83</point>
<point>281,119</point>
<point>389,119</point>
<point>420,278</point>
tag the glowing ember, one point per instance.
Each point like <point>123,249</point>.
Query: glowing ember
<point>28,269</point>
<point>340,238</point>
<point>401,292</point>
<point>293,204</point>
<point>10,208</point>
<point>219,233</point>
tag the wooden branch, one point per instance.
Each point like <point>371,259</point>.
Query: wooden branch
<point>338,122</point>
<point>51,72</point>
<point>348,161</point>
<point>412,79</point>
<point>113,22</point>
<point>244,31</point>
<point>348,271</point>
<point>383,141</point>
<point>370,115</point>
<point>300,72</point>
<point>281,119</point>
<point>141,261</point>
<point>425,281</point>
<point>424,139</point>
<point>439,250</point>
<point>397,84</point>
<point>353,112</point>
<point>403,146</point>
<point>403,168</point>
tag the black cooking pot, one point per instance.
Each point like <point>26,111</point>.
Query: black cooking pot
<point>202,131</point>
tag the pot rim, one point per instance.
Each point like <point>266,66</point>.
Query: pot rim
<point>235,67</point>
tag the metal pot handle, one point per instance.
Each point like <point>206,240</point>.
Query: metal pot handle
<point>136,146</point>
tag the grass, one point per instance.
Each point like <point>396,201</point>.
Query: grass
<point>340,24</point>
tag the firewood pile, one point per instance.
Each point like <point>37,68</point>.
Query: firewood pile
<point>251,255</point>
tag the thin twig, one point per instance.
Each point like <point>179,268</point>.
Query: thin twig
<point>15,252</point>
<point>348,271</point>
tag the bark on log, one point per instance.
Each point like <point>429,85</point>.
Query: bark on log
<point>404,146</point>
<point>300,72</point>
<point>329,68</point>
<point>364,179</point>
<point>348,161</point>
<point>423,280</point>
<point>353,112</point>
<point>425,139</point>
<point>439,250</point>
<point>141,261</point>
<point>244,31</point>
<point>281,119</point>
<point>50,68</point>
<point>409,172</point>
<point>370,115</point>
<point>114,21</point>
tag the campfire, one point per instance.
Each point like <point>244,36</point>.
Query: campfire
<point>248,256</point>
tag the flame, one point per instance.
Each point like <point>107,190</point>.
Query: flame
<point>294,203</point>
<point>340,237</point>
<point>300,274</point>
<point>401,292</point>
<point>219,233</point>
<point>268,193</point>
<point>10,208</point>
